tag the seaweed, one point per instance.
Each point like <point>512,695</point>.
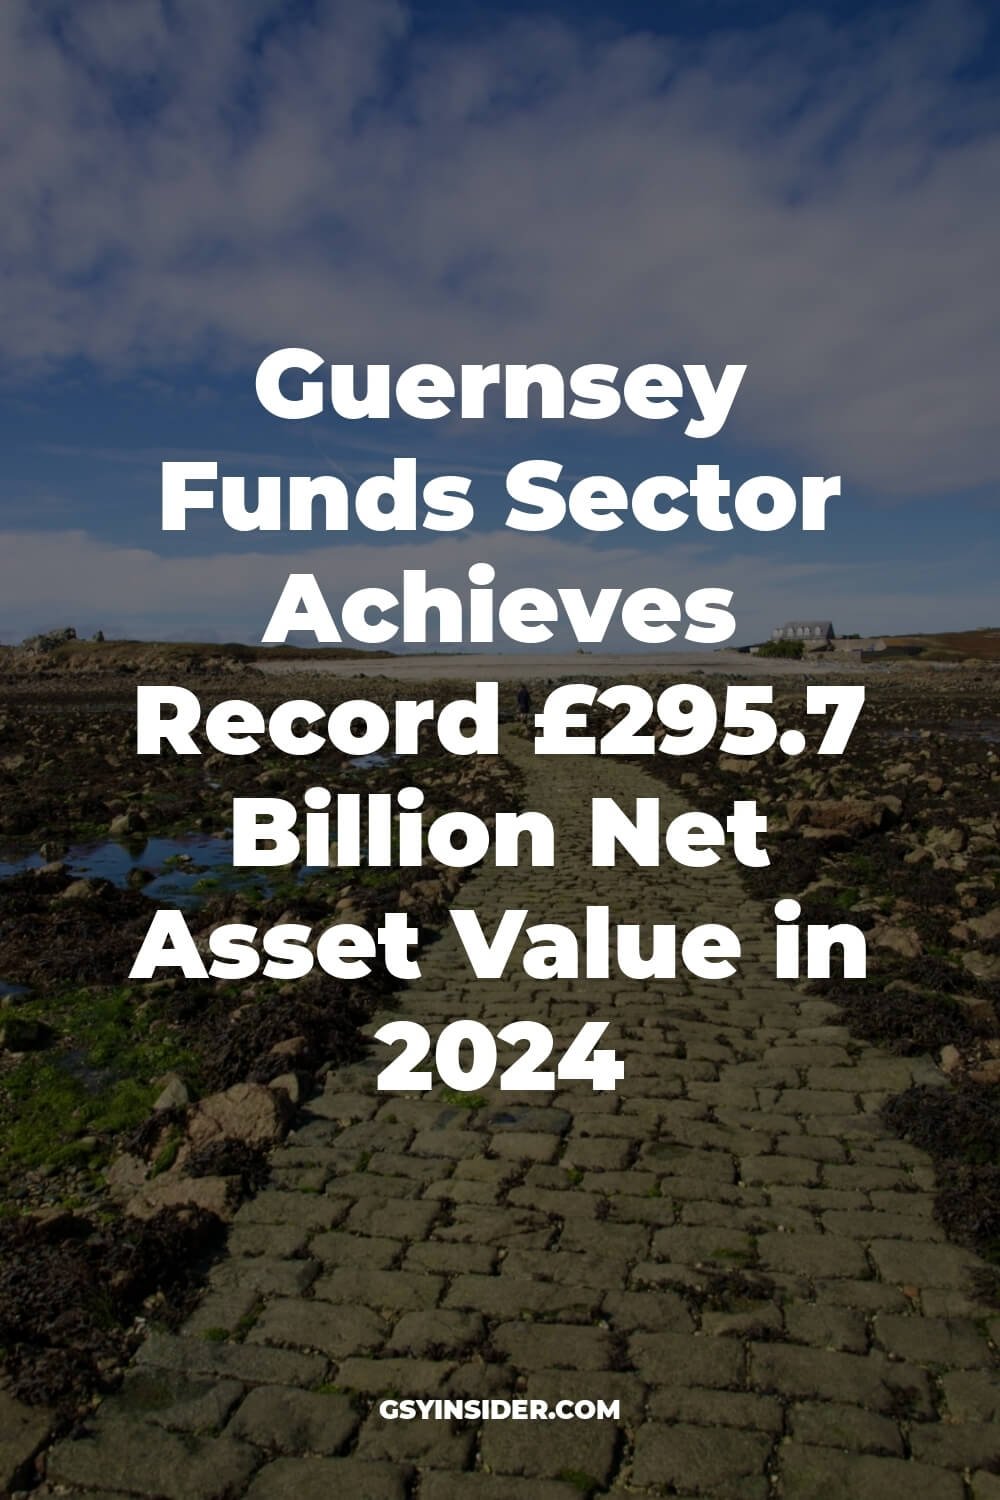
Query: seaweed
<point>959,1124</point>
<point>71,1290</point>
<point>902,1018</point>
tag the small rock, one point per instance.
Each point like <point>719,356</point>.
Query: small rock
<point>173,1093</point>
<point>292,1046</point>
<point>945,840</point>
<point>986,927</point>
<point>78,890</point>
<point>57,1223</point>
<point>977,1009</point>
<point>982,965</point>
<point>126,823</point>
<point>289,1084</point>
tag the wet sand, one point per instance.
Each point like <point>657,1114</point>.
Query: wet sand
<point>509,667</point>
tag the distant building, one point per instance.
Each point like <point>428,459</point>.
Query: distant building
<point>804,630</point>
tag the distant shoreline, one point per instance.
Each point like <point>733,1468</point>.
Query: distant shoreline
<point>570,665</point>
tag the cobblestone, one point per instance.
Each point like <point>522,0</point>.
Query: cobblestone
<point>701,1460</point>
<point>320,1478</point>
<point>149,1461</point>
<point>283,1420</point>
<point>821,1474</point>
<point>23,1430</point>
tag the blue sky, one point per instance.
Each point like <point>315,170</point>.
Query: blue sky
<point>809,190</point>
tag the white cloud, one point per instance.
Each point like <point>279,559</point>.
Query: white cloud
<point>200,183</point>
<point>50,579</point>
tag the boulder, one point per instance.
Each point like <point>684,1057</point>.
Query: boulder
<point>56,1223</point>
<point>79,890</point>
<point>125,1174</point>
<point>289,1084</point>
<point>854,816</point>
<point>217,1195</point>
<point>247,1112</point>
<point>986,927</point>
<point>23,1430</point>
<point>901,940</point>
<point>982,965</point>
<point>292,1047</point>
<point>940,840</point>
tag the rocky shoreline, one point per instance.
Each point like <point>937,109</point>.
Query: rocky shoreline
<point>130,1132</point>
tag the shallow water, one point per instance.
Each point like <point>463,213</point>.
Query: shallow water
<point>178,866</point>
<point>14,864</point>
<point>371,762</point>
<point>987,730</point>
<point>975,729</point>
<point>77,1064</point>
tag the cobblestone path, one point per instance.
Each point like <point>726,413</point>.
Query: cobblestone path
<point>731,1245</point>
